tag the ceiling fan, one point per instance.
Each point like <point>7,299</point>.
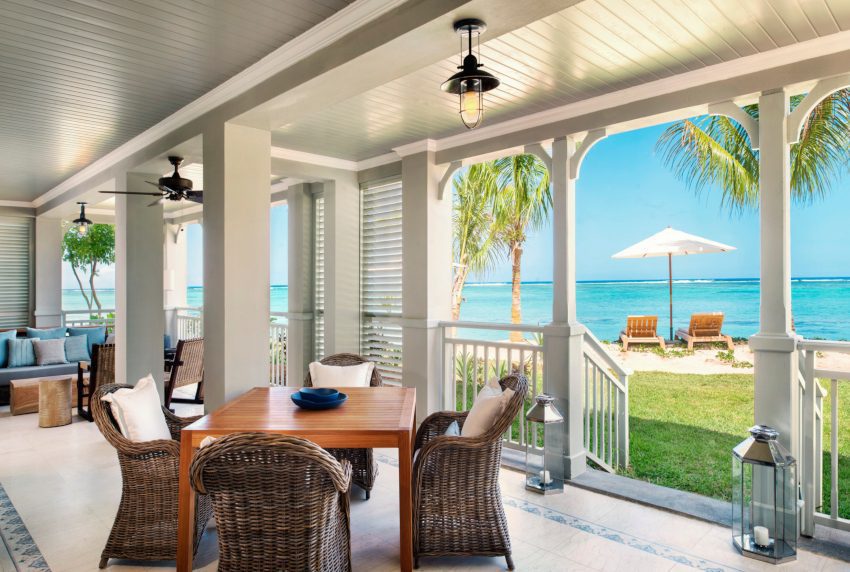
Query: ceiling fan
<point>171,188</point>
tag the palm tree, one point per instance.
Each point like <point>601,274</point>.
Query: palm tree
<point>475,239</point>
<point>714,151</point>
<point>520,203</point>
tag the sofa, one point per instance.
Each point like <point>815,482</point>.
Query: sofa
<point>95,334</point>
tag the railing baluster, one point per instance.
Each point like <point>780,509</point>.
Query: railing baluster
<point>833,452</point>
<point>611,460</point>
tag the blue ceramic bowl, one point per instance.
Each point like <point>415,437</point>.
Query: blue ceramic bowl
<point>319,394</point>
<point>298,399</point>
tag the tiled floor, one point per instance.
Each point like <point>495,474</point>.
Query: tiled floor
<point>65,483</point>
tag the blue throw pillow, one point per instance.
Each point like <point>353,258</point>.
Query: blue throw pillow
<point>48,334</point>
<point>94,335</point>
<point>77,348</point>
<point>21,352</point>
<point>4,345</point>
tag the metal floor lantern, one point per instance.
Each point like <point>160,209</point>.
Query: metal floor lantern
<point>544,467</point>
<point>764,498</point>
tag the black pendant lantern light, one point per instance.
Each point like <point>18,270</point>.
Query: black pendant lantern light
<point>82,223</point>
<point>471,81</point>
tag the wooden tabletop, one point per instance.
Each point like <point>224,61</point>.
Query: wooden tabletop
<point>372,416</point>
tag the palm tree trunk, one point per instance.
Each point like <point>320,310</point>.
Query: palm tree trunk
<point>82,288</point>
<point>516,301</point>
<point>457,290</point>
<point>91,285</point>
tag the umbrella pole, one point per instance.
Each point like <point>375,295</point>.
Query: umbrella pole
<point>670,285</point>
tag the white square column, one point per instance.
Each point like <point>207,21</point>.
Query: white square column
<point>174,276</point>
<point>139,316</point>
<point>48,272</point>
<point>342,265</point>
<point>426,278</point>
<point>299,331</point>
<point>237,173</point>
<point>563,339</point>
<point>775,358</point>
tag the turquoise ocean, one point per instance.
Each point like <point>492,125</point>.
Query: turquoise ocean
<point>821,305</point>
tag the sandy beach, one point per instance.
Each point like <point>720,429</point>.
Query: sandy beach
<point>706,361</point>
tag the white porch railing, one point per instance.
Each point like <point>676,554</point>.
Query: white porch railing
<point>606,407</point>
<point>78,318</point>
<point>277,348</point>
<point>810,466</point>
<point>469,362</point>
<point>190,322</point>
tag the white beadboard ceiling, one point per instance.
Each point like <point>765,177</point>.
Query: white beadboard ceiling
<point>80,77</point>
<point>591,48</point>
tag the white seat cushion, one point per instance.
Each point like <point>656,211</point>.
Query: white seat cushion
<point>489,403</point>
<point>138,411</point>
<point>341,376</point>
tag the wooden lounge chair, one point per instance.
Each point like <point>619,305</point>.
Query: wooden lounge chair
<point>641,330</point>
<point>705,328</point>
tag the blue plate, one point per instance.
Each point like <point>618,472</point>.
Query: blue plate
<point>299,400</point>
<point>319,394</point>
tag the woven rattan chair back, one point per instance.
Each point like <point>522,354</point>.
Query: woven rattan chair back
<point>145,526</point>
<point>364,470</point>
<point>188,369</point>
<point>280,503</point>
<point>102,365</point>
<point>342,360</point>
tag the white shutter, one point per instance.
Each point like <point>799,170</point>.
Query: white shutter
<point>319,274</point>
<point>380,276</point>
<point>15,271</point>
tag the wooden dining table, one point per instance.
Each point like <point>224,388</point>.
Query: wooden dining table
<point>371,417</point>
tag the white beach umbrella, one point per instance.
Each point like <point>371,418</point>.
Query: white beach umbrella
<point>671,242</point>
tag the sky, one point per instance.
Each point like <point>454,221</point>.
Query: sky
<point>625,194</point>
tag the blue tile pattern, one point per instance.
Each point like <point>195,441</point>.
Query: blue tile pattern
<point>654,548</point>
<point>16,539</point>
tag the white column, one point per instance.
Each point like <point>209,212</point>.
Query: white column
<point>48,272</point>
<point>139,317</point>
<point>563,338</point>
<point>174,276</point>
<point>776,388</point>
<point>342,265</point>
<point>426,278</point>
<point>299,335</point>
<point>237,170</point>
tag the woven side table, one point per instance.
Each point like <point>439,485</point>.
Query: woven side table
<point>54,402</point>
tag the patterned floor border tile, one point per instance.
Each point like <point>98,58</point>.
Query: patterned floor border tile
<point>654,548</point>
<point>16,539</point>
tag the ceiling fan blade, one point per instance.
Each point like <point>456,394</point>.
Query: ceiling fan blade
<point>130,193</point>
<point>194,196</point>
<point>168,190</point>
<point>159,201</point>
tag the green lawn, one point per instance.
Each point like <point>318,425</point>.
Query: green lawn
<point>683,428</point>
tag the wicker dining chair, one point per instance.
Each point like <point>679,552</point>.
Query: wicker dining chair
<point>145,526</point>
<point>363,466</point>
<point>100,370</point>
<point>280,503</point>
<point>457,504</point>
<point>186,369</point>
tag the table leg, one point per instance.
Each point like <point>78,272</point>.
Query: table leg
<point>185,508</point>
<point>405,494</point>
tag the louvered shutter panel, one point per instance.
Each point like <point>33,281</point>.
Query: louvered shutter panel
<point>319,274</point>
<point>380,276</point>
<point>15,271</point>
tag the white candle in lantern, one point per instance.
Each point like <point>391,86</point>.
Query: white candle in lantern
<point>761,535</point>
<point>545,477</point>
